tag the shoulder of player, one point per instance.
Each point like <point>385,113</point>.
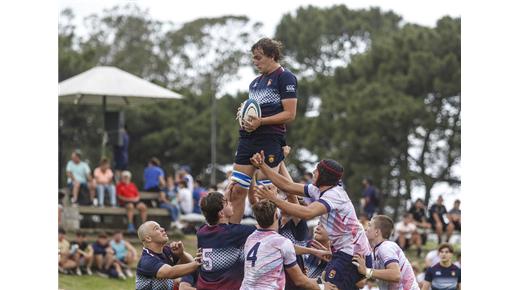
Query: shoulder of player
<point>285,74</point>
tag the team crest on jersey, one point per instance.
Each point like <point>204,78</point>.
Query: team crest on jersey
<point>332,274</point>
<point>438,273</point>
<point>269,82</point>
<point>270,158</point>
<point>453,273</point>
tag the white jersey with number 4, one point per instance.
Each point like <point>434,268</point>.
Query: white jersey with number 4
<point>266,254</point>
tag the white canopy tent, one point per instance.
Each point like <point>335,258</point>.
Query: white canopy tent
<point>110,86</point>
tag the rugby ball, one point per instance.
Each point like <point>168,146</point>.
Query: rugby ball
<point>249,108</point>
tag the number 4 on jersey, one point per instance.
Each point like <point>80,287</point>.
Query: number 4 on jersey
<point>251,255</point>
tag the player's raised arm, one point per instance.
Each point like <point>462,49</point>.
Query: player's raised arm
<point>305,212</point>
<point>172,272</point>
<point>280,181</point>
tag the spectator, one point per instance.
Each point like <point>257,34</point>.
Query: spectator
<point>443,275</point>
<point>153,176</point>
<point>61,195</point>
<point>65,263</point>
<point>124,252</point>
<point>185,198</point>
<point>221,187</point>
<point>407,235</point>
<point>184,174</point>
<point>418,211</point>
<point>78,177</point>
<point>121,154</point>
<point>128,196</point>
<point>168,200</point>
<point>103,176</point>
<point>432,258</point>
<point>370,200</point>
<point>454,215</point>
<point>198,193</point>
<point>437,212</point>
<point>104,258</point>
<point>419,275</point>
<point>82,253</point>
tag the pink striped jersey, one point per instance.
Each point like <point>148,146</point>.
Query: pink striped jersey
<point>340,221</point>
<point>361,244</point>
<point>389,252</point>
<point>266,254</point>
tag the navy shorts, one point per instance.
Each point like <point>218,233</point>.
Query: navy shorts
<point>271,144</point>
<point>341,272</point>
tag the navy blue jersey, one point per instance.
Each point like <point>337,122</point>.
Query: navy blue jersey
<point>314,266</point>
<point>297,233</point>
<point>443,278</point>
<point>149,265</point>
<point>269,91</point>
<point>222,255</point>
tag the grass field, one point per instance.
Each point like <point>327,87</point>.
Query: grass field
<point>73,282</point>
<point>94,282</point>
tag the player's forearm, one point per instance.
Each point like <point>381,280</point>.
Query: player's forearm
<point>278,119</point>
<point>185,258</point>
<point>294,210</point>
<point>280,181</point>
<point>304,250</point>
<point>177,271</point>
<point>390,275</point>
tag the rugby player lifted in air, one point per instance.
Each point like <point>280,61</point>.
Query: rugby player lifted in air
<point>275,92</point>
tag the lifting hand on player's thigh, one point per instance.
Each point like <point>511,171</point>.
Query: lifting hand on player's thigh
<point>257,159</point>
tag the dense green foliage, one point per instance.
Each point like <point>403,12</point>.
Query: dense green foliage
<point>388,92</point>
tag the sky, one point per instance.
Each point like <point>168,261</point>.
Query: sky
<point>269,12</point>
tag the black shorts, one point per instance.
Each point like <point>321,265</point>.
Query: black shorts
<point>271,144</point>
<point>341,272</point>
<point>457,225</point>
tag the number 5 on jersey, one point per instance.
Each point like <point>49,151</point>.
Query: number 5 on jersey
<point>251,255</point>
<point>207,264</point>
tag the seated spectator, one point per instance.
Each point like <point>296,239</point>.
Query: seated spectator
<point>432,258</point>
<point>103,176</point>
<point>128,196</point>
<point>407,235</point>
<point>184,174</point>
<point>153,176</point>
<point>82,253</point>
<point>454,215</point>
<point>104,258</point>
<point>168,200</point>
<point>185,198</point>
<point>221,187</point>
<point>198,193</point>
<point>65,261</point>
<point>418,211</point>
<point>78,177</point>
<point>124,252</point>
<point>419,275</point>
<point>437,214</point>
